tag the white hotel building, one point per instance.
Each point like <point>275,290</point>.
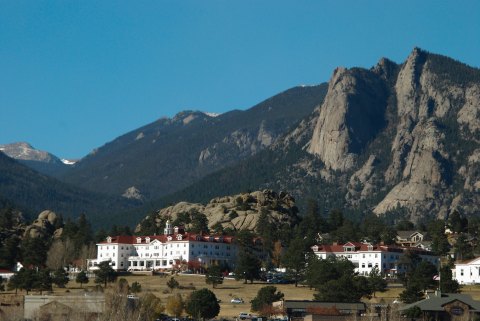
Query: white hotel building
<point>159,252</point>
<point>366,256</point>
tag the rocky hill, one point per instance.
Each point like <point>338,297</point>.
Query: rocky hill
<point>395,139</point>
<point>237,212</point>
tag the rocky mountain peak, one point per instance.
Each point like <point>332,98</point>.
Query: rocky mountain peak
<point>25,151</point>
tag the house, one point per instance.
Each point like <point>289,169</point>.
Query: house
<point>447,306</point>
<point>317,310</point>
<point>467,272</point>
<point>160,252</point>
<point>366,256</point>
<point>6,274</point>
<point>67,307</point>
<point>409,238</point>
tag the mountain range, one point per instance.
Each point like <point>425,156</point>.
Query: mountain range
<point>395,140</point>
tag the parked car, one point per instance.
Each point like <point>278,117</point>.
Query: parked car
<point>236,300</point>
<point>244,315</point>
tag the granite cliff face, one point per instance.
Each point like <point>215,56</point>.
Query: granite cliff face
<point>405,134</point>
<point>350,116</point>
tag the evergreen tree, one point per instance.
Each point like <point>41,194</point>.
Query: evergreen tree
<point>26,279</point>
<point>294,259</point>
<point>60,278</point>
<point>199,222</point>
<point>447,284</point>
<point>105,273</point>
<point>172,284</point>
<point>410,295</point>
<point>463,250</point>
<point>376,281</point>
<point>9,252</point>
<point>34,251</point>
<point>248,266</point>
<point>202,304</point>
<point>265,297</point>
<point>43,281</point>
<point>136,287</point>
<point>82,278</point>
<point>336,280</point>
<point>214,276</point>
<point>335,219</point>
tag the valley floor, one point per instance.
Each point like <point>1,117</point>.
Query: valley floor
<point>225,292</point>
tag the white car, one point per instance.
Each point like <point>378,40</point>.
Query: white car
<point>236,300</point>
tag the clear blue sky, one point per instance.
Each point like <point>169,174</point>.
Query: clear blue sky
<point>76,74</point>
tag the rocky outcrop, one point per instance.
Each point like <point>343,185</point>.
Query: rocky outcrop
<point>44,226</point>
<point>361,183</point>
<point>237,212</point>
<point>420,124</point>
<point>133,193</point>
<point>243,143</point>
<point>350,117</point>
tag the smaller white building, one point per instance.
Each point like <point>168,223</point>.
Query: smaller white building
<point>467,272</point>
<point>367,256</point>
<point>6,274</point>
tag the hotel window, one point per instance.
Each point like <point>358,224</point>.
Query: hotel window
<point>369,265</point>
<point>461,272</point>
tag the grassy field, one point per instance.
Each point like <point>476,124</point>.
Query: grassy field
<point>231,289</point>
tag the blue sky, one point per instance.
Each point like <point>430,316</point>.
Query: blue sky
<point>77,74</point>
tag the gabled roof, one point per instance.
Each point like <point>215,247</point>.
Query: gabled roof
<point>437,302</point>
<point>132,239</point>
<point>407,234</point>
<point>363,247</point>
<point>469,262</point>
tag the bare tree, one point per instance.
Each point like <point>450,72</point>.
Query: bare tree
<point>60,254</point>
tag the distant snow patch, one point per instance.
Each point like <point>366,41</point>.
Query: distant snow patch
<point>140,136</point>
<point>212,114</point>
<point>68,162</point>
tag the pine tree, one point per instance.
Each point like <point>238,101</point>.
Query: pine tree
<point>214,276</point>
<point>60,278</point>
<point>82,278</point>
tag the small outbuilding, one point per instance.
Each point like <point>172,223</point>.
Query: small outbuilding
<point>318,310</point>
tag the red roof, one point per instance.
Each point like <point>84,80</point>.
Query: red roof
<point>3,271</point>
<point>360,247</point>
<point>127,239</point>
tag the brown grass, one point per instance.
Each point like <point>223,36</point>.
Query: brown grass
<point>230,289</point>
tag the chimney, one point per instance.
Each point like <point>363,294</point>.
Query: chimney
<point>335,243</point>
